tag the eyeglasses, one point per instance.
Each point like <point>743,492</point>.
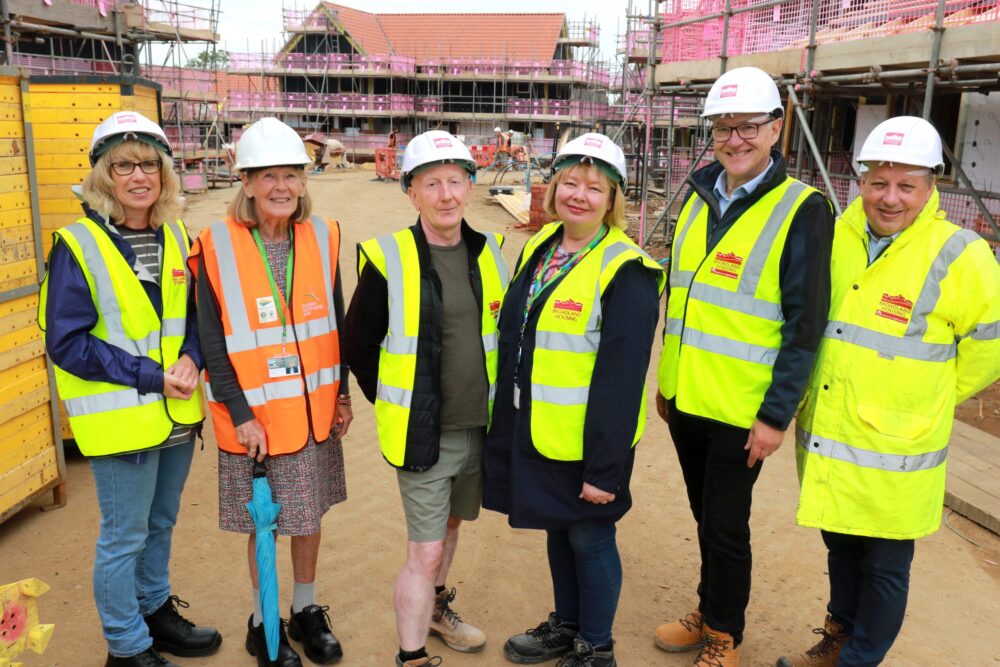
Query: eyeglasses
<point>126,168</point>
<point>745,131</point>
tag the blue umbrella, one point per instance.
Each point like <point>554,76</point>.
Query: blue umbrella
<point>264,512</point>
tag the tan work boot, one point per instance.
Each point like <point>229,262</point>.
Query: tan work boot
<point>825,652</point>
<point>453,631</point>
<point>682,635</point>
<point>717,650</point>
<point>431,661</point>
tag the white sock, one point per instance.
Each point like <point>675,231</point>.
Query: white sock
<point>258,613</point>
<point>303,595</point>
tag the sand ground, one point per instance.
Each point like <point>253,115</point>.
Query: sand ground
<point>501,574</point>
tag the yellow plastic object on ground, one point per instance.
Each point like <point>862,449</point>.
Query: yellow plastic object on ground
<point>19,626</point>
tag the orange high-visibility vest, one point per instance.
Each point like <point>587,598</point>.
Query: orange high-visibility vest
<point>289,406</point>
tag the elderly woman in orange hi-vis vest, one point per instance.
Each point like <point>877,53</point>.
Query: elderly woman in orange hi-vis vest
<point>270,309</point>
<point>117,311</point>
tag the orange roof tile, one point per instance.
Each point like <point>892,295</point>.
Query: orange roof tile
<point>452,35</point>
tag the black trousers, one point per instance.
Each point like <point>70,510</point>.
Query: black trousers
<point>720,490</point>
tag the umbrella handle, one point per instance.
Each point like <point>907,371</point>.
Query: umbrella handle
<point>259,469</point>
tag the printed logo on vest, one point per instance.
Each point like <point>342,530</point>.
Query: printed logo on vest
<point>893,139</point>
<point>179,276</point>
<point>730,91</point>
<point>567,310</point>
<point>727,264</point>
<point>896,308</point>
<point>495,309</point>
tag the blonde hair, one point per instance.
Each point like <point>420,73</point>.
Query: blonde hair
<point>241,208</point>
<point>613,217</point>
<point>99,186</point>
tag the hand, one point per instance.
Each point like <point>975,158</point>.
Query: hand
<point>661,405</point>
<point>764,440</point>
<point>176,388</point>
<point>342,418</point>
<point>252,436</point>
<point>185,372</point>
<point>594,495</point>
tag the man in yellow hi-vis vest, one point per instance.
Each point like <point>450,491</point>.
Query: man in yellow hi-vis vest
<point>914,330</point>
<point>421,338</point>
<point>748,298</point>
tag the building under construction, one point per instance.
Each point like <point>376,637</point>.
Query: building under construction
<point>842,65</point>
<point>355,75</point>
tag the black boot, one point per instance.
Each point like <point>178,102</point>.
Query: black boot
<point>257,646</point>
<point>549,640</point>
<point>311,626</point>
<point>585,655</point>
<point>172,633</point>
<point>148,658</point>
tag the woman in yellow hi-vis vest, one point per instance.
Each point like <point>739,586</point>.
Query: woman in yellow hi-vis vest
<point>576,329</point>
<point>117,310</point>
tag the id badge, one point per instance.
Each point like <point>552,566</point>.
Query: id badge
<point>517,397</point>
<point>267,311</point>
<point>283,365</point>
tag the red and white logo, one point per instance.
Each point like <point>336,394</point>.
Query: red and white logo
<point>125,118</point>
<point>179,276</point>
<point>442,142</point>
<point>567,310</point>
<point>896,308</point>
<point>893,139</point>
<point>495,309</point>
<point>594,141</point>
<point>727,264</point>
<point>730,90</point>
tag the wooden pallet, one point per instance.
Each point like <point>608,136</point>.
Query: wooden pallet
<point>513,204</point>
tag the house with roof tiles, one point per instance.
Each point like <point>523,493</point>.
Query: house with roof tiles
<point>357,74</point>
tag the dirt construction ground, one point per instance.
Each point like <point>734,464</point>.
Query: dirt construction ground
<point>501,574</point>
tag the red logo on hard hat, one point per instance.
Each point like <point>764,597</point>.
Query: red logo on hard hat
<point>126,118</point>
<point>567,310</point>
<point>893,139</point>
<point>730,90</point>
<point>593,141</point>
<point>896,308</point>
<point>442,142</point>
<point>727,264</point>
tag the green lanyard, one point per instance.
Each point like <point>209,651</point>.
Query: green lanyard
<point>538,285</point>
<point>270,278</point>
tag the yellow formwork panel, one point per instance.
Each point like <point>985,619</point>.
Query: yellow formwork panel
<point>9,112</point>
<point>12,148</point>
<point>11,129</point>
<point>11,201</point>
<point>69,147</point>
<point>65,177</point>
<point>75,132</point>
<point>77,161</point>
<point>12,223</point>
<point>13,165</point>
<point>28,478</point>
<point>57,206</point>
<point>41,99</point>
<point>14,183</point>
<point>22,388</point>
<point>50,116</point>
<point>20,431</point>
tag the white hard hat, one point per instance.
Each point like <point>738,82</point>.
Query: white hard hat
<point>127,125</point>
<point>596,149</point>
<point>497,129</point>
<point>743,90</point>
<point>435,146</point>
<point>904,140</point>
<point>270,143</point>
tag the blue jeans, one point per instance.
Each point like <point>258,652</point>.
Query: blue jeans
<point>869,584</point>
<point>586,577</point>
<point>139,504</point>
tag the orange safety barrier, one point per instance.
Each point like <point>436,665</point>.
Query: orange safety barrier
<point>385,163</point>
<point>483,155</point>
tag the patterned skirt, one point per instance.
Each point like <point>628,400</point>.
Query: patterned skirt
<point>306,483</point>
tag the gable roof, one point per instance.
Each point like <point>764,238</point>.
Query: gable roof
<point>453,35</point>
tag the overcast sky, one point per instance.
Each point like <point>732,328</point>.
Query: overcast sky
<point>256,24</point>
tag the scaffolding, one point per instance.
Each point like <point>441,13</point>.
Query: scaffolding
<point>937,58</point>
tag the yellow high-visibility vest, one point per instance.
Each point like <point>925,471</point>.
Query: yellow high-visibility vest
<point>395,257</point>
<point>567,337</point>
<point>909,337</point>
<point>108,418</point>
<point>723,328</point>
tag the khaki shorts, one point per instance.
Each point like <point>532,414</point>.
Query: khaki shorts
<point>452,487</point>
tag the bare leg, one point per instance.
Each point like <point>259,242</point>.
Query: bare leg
<point>414,592</point>
<point>305,553</point>
<point>450,545</point>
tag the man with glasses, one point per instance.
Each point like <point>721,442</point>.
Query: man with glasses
<point>747,304</point>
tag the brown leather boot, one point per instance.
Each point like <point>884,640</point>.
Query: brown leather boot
<point>681,635</point>
<point>717,650</point>
<point>825,652</point>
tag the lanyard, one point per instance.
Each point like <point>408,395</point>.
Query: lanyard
<point>289,269</point>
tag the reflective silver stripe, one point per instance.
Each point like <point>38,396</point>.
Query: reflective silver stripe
<point>989,331</point>
<point>112,400</point>
<point>323,241</point>
<point>931,290</point>
<point>564,342</point>
<point>395,341</point>
<point>273,391</point>
<point>865,458</point>
<point>696,205</point>
<point>489,343</point>
<point>681,278</point>
<point>493,392</point>
<point>491,243</point>
<point>322,377</point>
<point>674,326</point>
<point>559,395</point>
<point>735,301</point>
<point>232,293</point>
<point>885,344</point>
<point>174,326</point>
<point>757,258</point>
<point>395,395</point>
<point>181,245</point>
<point>241,342</point>
<point>728,347</point>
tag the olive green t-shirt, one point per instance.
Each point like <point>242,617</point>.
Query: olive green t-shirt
<point>464,389</point>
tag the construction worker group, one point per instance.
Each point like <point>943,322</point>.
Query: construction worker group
<point>523,390</point>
